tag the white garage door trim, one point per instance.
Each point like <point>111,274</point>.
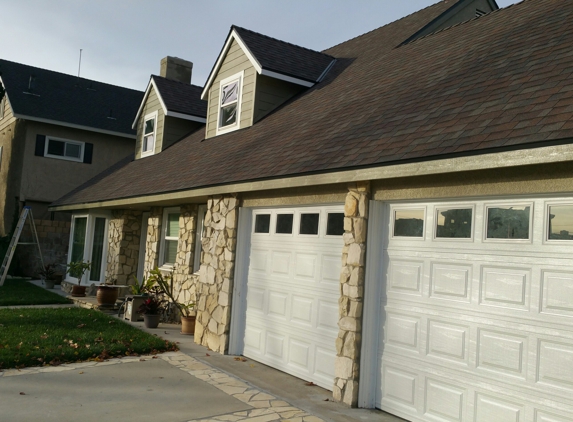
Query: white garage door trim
<point>379,224</point>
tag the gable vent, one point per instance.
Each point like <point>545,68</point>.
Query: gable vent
<point>480,13</point>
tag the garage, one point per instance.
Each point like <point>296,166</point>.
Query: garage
<point>291,318</point>
<point>475,310</point>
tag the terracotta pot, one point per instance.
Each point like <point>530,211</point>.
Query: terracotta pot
<point>151,321</point>
<point>78,291</point>
<point>107,295</point>
<point>188,325</point>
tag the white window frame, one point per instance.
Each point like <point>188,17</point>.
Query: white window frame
<point>548,205</point>
<point>166,211</point>
<point>150,116</point>
<point>66,141</point>
<point>1,148</point>
<point>201,211</point>
<point>453,206</point>
<point>401,207</point>
<point>237,125</point>
<point>489,205</point>
<point>2,106</point>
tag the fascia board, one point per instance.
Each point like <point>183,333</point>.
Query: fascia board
<point>186,116</point>
<point>147,91</point>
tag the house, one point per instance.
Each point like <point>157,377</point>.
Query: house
<point>56,132</point>
<point>389,218</point>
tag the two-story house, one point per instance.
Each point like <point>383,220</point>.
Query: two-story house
<point>390,218</point>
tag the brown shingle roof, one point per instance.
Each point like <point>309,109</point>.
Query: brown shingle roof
<point>504,80</point>
<point>181,97</point>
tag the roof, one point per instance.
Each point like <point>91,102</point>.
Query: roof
<point>275,58</point>
<point>498,82</point>
<point>181,97</point>
<point>69,100</point>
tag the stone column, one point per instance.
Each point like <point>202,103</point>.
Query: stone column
<point>183,280</point>
<point>348,343</point>
<point>153,239</point>
<point>217,273</point>
<point>123,246</point>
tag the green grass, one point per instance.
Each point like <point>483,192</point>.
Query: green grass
<point>43,336</point>
<point>19,292</point>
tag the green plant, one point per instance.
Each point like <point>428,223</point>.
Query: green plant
<point>151,306</point>
<point>142,288</point>
<point>164,284</point>
<point>18,292</point>
<point>48,271</point>
<point>77,269</point>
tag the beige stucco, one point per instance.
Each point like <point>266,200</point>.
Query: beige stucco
<point>235,61</point>
<point>312,195</point>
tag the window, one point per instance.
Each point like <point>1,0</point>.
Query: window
<point>335,224</point>
<point>284,223</point>
<point>148,140</point>
<point>309,223</point>
<point>560,222</point>
<point>64,149</point>
<point>409,223</point>
<point>201,211</point>
<point>262,223</point>
<point>88,242</point>
<point>170,237</point>
<point>2,105</point>
<point>0,158</point>
<point>78,238</point>
<point>229,103</point>
<point>508,222</point>
<point>454,223</point>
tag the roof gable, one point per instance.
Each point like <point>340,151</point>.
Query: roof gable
<point>177,99</point>
<point>53,97</point>
<point>274,58</point>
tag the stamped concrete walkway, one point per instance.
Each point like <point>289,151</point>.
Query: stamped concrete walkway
<point>193,384</point>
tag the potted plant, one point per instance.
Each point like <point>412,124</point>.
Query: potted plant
<point>48,273</point>
<point>107,293</point>
<point>78,269</point>
<point>187,311</point>
<point>151,309</point>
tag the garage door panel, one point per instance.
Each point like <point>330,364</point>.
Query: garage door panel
<point>505,287</point>
<point>449,341</point>
<point>557,292</point>
<point>502,352</point>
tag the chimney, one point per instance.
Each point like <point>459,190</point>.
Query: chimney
<point>176,69</point>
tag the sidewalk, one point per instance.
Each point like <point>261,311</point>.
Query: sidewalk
<point>193,384</point>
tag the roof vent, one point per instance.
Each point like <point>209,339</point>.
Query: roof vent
<point>176,69</point>
<point>31,83</point>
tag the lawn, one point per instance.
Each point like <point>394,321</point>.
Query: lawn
<point>42,336</point>
<point>20,292</point>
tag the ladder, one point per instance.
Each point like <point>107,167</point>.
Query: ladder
<point>25,215</point>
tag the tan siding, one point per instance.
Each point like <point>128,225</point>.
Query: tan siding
<point>151,104</point>
<point>271,93</point>
<point>234,62</point>
<point>8,115</point>
<point>176,128</point>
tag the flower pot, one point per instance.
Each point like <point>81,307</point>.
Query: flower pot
<point>49,284</point>
<point>107,295</point>
<point>78,291</point>
<point>151,321</point>
<point>188,325</point>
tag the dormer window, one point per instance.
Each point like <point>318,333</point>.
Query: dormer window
<point>230,103</point>
<point>149,129</point>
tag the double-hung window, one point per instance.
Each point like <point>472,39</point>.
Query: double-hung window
<point>201,211</point>
<point>64,149</point>
<point>149,134</point>
<point>229,103</point>
<point>169,237</point>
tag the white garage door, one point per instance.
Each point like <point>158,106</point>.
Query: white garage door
<point>478,311</point>
<point>293,291</point>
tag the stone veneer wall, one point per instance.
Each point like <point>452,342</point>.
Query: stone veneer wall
<point>183,279</point>
<point>348,343</point>
<point>217,273</point>
<point>123,246</point>
<point>153,239</point>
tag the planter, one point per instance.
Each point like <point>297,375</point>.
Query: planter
<point>151,321</point>
<point>78,291</point>
<point>49,284</point>
<point>188,325</point>
<point>107,295</point>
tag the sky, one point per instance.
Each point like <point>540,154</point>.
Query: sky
<point>123,41</point>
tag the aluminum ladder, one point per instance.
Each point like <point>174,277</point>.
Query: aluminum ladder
<point>25,215</point>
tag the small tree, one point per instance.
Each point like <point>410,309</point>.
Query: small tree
<point>77,269</point>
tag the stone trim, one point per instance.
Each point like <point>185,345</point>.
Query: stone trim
<point>184,282</point>
<point>348,343</point>
<point>216,274</point>
<point>123,246</point>
<point>153,239</point>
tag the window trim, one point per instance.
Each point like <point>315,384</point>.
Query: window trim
<point>146,118</point>
<point>1,149</point>
<point>163,231</point>
<point>237,125</point>
<point>454,206</point>
<point>271,222</point>
<point>81,144</point>
<point>546,239</point>
<point>3,107</point>
<point>488,205</point>
<point>402,207</point>
<point>201,212</point>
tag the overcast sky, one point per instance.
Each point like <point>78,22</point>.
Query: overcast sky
<point>124,40</point>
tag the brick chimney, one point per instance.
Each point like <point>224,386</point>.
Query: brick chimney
<point>176,69</point>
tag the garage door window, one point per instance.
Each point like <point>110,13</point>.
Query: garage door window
<point>409,223</point>
<point>454,223</point>
<point>560,222</point>
<point>284,223</point>
<point>508,222</point>
<point>335,224</point>
<point>309,223</point>
<point>262,223</point>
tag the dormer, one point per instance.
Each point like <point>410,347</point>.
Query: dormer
<point>171,108</point>
<point>253,75</point>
